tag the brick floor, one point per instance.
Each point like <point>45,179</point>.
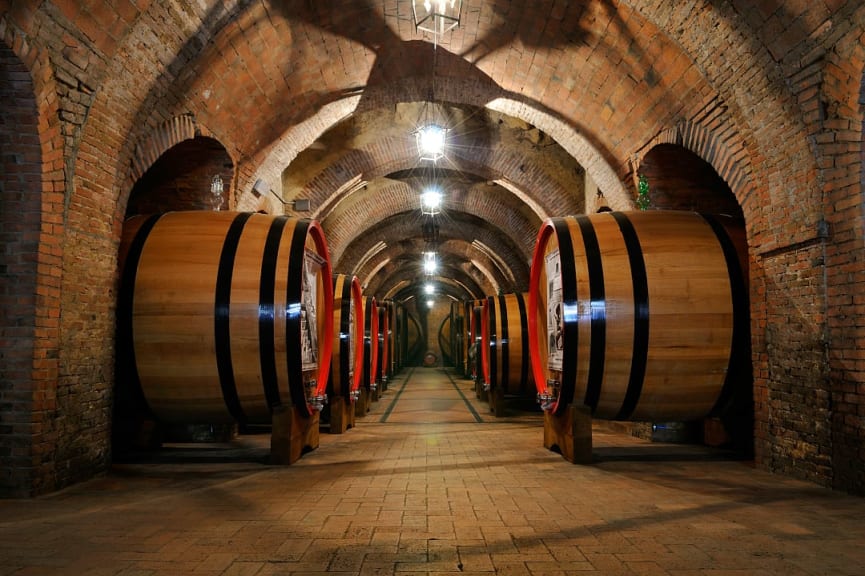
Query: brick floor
<point>430,483</point>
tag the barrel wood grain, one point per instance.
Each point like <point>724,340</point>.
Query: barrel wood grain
<point>213,314</point>
<point>652,301</point>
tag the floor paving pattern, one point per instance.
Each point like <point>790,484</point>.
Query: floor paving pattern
<point>429,482</point>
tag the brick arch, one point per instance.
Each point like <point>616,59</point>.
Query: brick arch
<point>469,91</point>
<point>388,274</point>
<point>731,162</point>
<point>32,212</point>
<point>542,194</point>
<point>379,203</point>
<point>704,30</point>
<point>510,271</point>
<point>150,147</point>
<point>180,178</point>
<point>388,279</point>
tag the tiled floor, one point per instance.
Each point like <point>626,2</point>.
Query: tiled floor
<point>421,486</point>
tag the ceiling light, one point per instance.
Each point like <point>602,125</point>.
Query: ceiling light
<point>431,141</point>
<point>431,201</point>
<point>429,262</point>
<point>429,289</point>
<point>437,17</point>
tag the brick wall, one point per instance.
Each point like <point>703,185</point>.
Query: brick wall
<point>840,146</point>
<point>20,161</point>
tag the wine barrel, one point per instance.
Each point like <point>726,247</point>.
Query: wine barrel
<point>456,335</point>
<point>346,367</point>
<point>445,339</point>
<point>370,344</point>
<point>224,316</point>
<point>638,315</point>
<point>505,358</point>
<point>381,370</point>
<point>468,308</point>
<point>394,331</point>
<point>473,310</point>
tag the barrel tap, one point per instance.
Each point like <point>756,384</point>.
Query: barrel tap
<point>550,396</point>
<point>316,402</point>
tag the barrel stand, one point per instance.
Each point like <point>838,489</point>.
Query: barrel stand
<point>293,432</point>
<point>570,432</point>
<point>480,391</point>
<point>341,415</point>
<point>497,401</point>
<point>361,405</point>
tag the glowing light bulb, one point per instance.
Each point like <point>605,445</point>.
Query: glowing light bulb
<point>431,201</point>
<point>431,141</point>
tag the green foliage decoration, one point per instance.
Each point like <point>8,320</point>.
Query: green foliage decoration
<point>643,193</point>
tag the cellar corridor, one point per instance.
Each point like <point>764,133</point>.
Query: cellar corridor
<point>428,482</point>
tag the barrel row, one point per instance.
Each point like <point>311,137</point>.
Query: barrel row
<point>223,317</point>
<point>637,315</point>
<point>226,316</point>
<point>489,343</point>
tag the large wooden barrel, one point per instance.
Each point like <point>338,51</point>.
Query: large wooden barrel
<point>381,371</point>
<point>224,316</point>
<point>505,358</point>
<point>370,344</point>
<point>638,315</point>
<point>346,367</point>
<point>456,335</point>
<point>474,364</point>
<point>451,336</point>
<point>414,339</point>
<point>468,308</point>
<point>393,339</point>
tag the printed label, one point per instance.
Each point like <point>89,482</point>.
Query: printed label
<point>555,316</point>
<point>312,264</point>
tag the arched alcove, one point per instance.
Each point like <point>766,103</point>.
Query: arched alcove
<point>180,179</point>
<point>679,179</point>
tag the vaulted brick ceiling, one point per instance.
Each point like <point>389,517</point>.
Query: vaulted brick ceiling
<point>318,99</point>
<point>361,79</point>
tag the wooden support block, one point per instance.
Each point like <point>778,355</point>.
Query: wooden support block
<point>497,401</point>
<point>361,405</point>
<point>341,415</point>
<point>483,394</point>
<point>571,433</point>
<point>293,432</point>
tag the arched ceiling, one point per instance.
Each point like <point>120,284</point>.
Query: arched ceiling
<point>318,100</point>
<point>500,176</point>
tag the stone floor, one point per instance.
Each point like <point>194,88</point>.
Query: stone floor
<point>429,483</point>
